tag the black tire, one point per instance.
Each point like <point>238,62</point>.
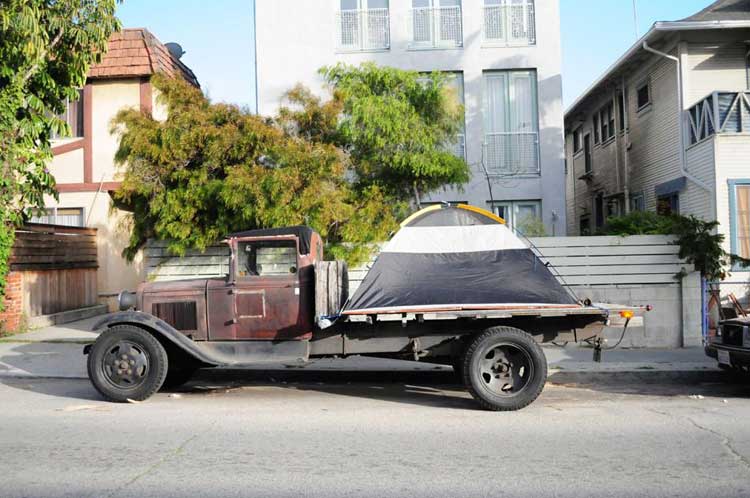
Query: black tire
<point>177,377</point>
<point>504,369</point>
<point>127,363</point>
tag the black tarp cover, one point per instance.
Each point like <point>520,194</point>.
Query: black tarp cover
<point>451,257</point>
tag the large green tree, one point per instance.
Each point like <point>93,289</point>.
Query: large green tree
<point>210,169</point>
<point>396,125</point>
<point>46,49</point>
<point>345,166</point>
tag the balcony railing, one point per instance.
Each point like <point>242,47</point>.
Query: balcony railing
<point>512,154</point>
<point>720,112</point>
<point>436,27</point>
<point>513,22</point>
<point>367,29</point>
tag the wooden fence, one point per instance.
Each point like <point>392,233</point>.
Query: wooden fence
<point>57,266</point>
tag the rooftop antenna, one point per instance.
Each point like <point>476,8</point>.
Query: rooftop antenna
<point>635,17</point>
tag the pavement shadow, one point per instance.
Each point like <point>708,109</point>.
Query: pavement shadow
<point>714,383</point>
<point>424,388</point>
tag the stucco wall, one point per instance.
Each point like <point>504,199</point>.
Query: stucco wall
<point>108,97</point>
<point>295,38</point>
<point>67,167</point>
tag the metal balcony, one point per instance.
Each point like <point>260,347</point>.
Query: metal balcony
<point>436,27</point>
<point>512,23</point>
<point>512,154</point>
<point>363,30</point>
<point>719,113</point>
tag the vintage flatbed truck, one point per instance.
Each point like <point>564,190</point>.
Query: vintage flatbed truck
<point>456,287</point>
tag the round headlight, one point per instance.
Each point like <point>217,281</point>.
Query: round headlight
<point>126,300</point>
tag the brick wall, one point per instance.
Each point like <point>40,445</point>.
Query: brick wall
<point>10,317</point>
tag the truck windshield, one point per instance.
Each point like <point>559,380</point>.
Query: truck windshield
<point>266,258</point>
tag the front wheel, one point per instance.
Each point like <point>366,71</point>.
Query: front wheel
<point>504,369</point>
<point>127,363</point>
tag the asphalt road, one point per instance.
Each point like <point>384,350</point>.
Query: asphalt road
<point>416,437</point>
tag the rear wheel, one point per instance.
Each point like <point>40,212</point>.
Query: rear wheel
<point>127,363</point>
<point>504,369</point>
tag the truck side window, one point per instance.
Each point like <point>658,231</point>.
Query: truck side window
<point>267,258</point>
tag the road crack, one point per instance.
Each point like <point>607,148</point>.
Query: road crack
<point>726,442</point>
<point>171,454</point>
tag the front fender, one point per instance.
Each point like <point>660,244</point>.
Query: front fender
<point>159,328</point>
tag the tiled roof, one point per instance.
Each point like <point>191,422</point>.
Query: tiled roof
<point>724,10</point>
<point>136,52</point>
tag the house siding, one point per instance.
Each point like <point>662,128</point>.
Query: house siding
<point>694,199</point>
<point>715,66</point>
<point>654,156</point>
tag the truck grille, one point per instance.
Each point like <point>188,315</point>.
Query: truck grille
<point>180,315</point>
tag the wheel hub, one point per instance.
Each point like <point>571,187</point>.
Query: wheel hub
<point>505,369</point>
<point>126,364</point>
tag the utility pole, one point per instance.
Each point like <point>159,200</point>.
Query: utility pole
<point>635,17</point>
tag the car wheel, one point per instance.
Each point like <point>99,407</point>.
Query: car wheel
<point>504,369</point>
<point>127,363</point>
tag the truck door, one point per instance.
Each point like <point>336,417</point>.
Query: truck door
<point>266,290</point>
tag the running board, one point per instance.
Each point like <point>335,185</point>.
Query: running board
<point>238,353</point>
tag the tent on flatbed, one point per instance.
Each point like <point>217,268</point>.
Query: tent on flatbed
<point>457,258</point>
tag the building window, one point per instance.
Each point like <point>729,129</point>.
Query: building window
<point>363,25</point>
<point>518,215</point>
<point>668,204</point>
<point>739,212</point>
<point>511,123</point>
<point>643,94</point>
<point>584,225</point>
<point>71,217</point>
<point>621,109</point>
<point>637,202</point>
<point>73,116</point>
<point>577,142</point>
<point>588,157</point>
<point>456,86</point>
<point>436,24</point>
<point>607,122</point>
<point>596,129</point>
<point>509,22</point>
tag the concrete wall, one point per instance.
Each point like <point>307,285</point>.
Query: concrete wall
<point>297,37</point>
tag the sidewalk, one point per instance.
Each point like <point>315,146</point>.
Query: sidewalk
<point>57,352</point>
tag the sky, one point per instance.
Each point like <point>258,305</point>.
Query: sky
<point>217,37</point>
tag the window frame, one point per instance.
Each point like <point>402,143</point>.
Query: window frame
<point>674,206</point>
<point>52,212</point>
<point>577,141</point>
<point>512,208</point>
<point>607,120</point>
<point>595,123</point>
<point>260,240</point>
<point>733,232</point>
<point>77,130</point>
<point>637,202</point>
<point>647,85</point>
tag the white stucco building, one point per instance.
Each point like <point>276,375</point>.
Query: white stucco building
<point>505,55</point>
